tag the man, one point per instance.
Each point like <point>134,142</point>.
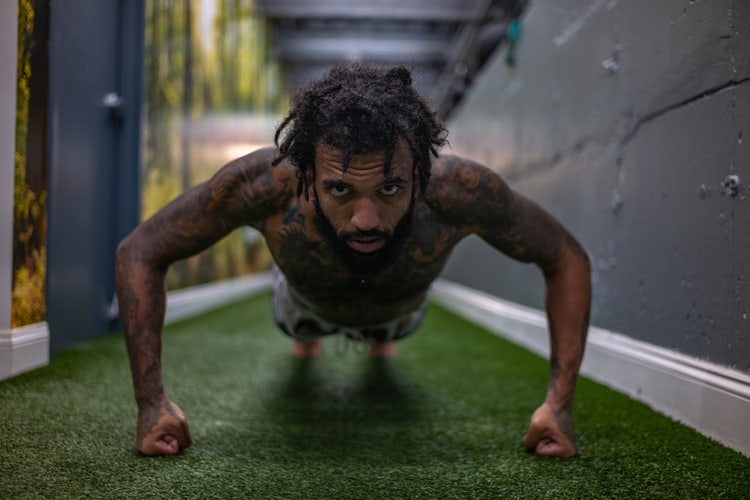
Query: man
<point>360,215</point>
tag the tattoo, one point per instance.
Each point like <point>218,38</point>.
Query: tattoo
<point>294,216</point>
<point>246,191</point>
<point>566,398</point>
<point>477,200</point>
<point>316,274</point>
<point>181,421</point>
<point>150,417</point>
<point>461,198</point>
<point>564,419</point>
<point>147,422</point>
<point>569,385</point>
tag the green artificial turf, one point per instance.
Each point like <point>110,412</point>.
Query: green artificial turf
<point>443,420</point>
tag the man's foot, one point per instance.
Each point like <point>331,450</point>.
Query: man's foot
<point>382,351</point>
<point>307,348</point>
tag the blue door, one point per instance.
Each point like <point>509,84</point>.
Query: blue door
<point>95,81</point>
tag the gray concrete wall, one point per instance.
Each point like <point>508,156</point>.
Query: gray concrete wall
<point>624,119</point>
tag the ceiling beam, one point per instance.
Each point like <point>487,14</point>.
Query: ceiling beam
<point>455,11</point>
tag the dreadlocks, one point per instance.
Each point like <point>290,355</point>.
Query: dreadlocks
<point>359,109</point>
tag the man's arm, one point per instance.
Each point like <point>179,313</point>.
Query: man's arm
<point>568,304</point>
<point>190,223</point>
<point>482,203</point>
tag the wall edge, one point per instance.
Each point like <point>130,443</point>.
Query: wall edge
<point>23,349</point>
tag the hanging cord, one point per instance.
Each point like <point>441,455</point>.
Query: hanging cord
<point>350,339</point>
<point>512,35</point>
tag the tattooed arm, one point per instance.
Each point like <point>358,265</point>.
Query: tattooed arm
<point>482,203</point>
<point>238,194</point>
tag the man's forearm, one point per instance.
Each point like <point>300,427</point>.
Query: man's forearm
<point>568,306</point>
<point>141,297</point>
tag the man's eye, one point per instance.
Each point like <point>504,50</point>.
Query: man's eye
<point>389,189</point>
<point>339,190</point>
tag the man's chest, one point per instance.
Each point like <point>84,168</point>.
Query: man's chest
<point>318,273</point>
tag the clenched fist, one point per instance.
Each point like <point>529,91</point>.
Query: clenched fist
<point>162,429</point>
<point>550,433</point>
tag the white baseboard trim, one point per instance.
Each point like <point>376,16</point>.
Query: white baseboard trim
<point>23,349</point>
<point>190,302</point>
<point>710,398</point>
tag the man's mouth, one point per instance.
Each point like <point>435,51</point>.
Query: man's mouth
<point>366,245</point>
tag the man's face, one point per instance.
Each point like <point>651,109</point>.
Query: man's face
<point>363,215</point>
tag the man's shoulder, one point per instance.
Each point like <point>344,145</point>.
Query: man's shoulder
<point>459,187</point>
<point>261,162</point>
<point>454,176</point>
<point>262,170</point>
<point>255,183</point>
<point>454,166</point>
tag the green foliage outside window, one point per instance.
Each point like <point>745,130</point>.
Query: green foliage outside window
<point>206,61</point>
<point>29,263</point>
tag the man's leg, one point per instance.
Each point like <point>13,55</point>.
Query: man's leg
<point>307,348</point>
<point>385,350</point>
<point>294,321</point>
<point>387,335</point>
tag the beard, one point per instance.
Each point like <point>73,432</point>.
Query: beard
<point>368,264</point>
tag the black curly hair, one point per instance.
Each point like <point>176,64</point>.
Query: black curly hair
<point>359,109</point>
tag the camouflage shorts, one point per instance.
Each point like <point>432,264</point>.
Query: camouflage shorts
<point>301,323</point>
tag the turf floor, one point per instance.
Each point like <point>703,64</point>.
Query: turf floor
<point>443,420</point>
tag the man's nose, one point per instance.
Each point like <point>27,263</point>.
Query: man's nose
<point>365,216</point>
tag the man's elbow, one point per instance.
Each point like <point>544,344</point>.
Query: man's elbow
<point>129,253</point>
<point>572,260</point>
<point>123,256</point>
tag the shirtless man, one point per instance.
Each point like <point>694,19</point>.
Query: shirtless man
<point>360,214</point>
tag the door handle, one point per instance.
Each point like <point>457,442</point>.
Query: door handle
<point>115,104</point>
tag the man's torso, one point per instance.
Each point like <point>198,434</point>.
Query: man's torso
<point>326,286</point>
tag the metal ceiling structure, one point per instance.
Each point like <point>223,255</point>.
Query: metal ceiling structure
<point>442,40</point>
